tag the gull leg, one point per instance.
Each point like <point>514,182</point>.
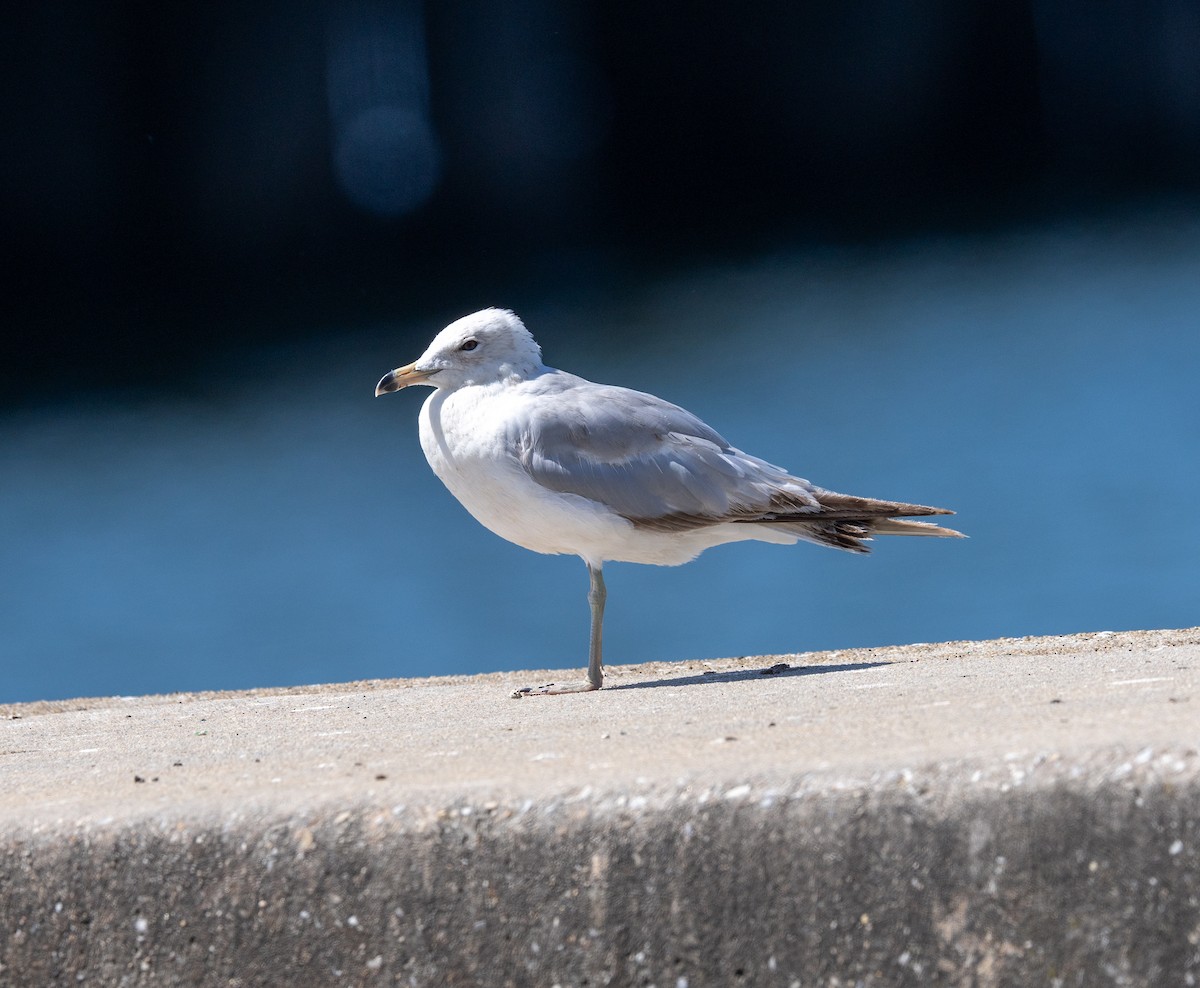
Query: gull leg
<point>597,594</point>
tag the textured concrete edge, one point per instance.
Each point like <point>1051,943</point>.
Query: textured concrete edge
<point>1092,880</point>
<point>1097,641</point>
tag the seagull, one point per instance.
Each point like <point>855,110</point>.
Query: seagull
<point>558,464</point>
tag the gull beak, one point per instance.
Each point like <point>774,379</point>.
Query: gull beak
<point>402,377</point>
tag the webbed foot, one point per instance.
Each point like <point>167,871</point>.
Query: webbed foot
<point>554,689</point>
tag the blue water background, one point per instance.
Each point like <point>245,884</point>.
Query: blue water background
<point>284,528</point>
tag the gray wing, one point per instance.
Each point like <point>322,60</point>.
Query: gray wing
<point>650,461</point>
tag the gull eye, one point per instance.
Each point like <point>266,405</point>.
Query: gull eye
<point>469,345</point>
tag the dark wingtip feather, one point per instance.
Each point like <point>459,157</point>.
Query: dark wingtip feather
<point>835,505</point>
<point>840,535</point>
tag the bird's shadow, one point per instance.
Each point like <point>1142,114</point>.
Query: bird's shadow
<point>774,672</point>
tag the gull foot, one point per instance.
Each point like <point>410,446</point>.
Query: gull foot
<point>554,689</point>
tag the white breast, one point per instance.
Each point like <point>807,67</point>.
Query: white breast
<point>463,434</point>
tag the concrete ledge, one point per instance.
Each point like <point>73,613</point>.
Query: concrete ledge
<point>1010,812</point>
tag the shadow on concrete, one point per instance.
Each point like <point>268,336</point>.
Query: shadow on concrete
<point>772,672</point>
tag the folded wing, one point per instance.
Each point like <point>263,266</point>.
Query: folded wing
<point>663,469</point>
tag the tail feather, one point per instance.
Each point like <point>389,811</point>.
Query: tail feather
<point>892,526</point>
<point>847,522</point>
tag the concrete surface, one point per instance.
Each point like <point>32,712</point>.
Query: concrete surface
<point>1015,812</point>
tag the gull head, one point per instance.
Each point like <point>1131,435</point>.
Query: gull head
<point>486,347</point>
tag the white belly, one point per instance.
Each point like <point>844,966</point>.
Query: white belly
<point>463,436</point>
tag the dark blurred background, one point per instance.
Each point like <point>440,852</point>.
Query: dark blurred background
<point>199,194</point>
<point>180,177</point>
